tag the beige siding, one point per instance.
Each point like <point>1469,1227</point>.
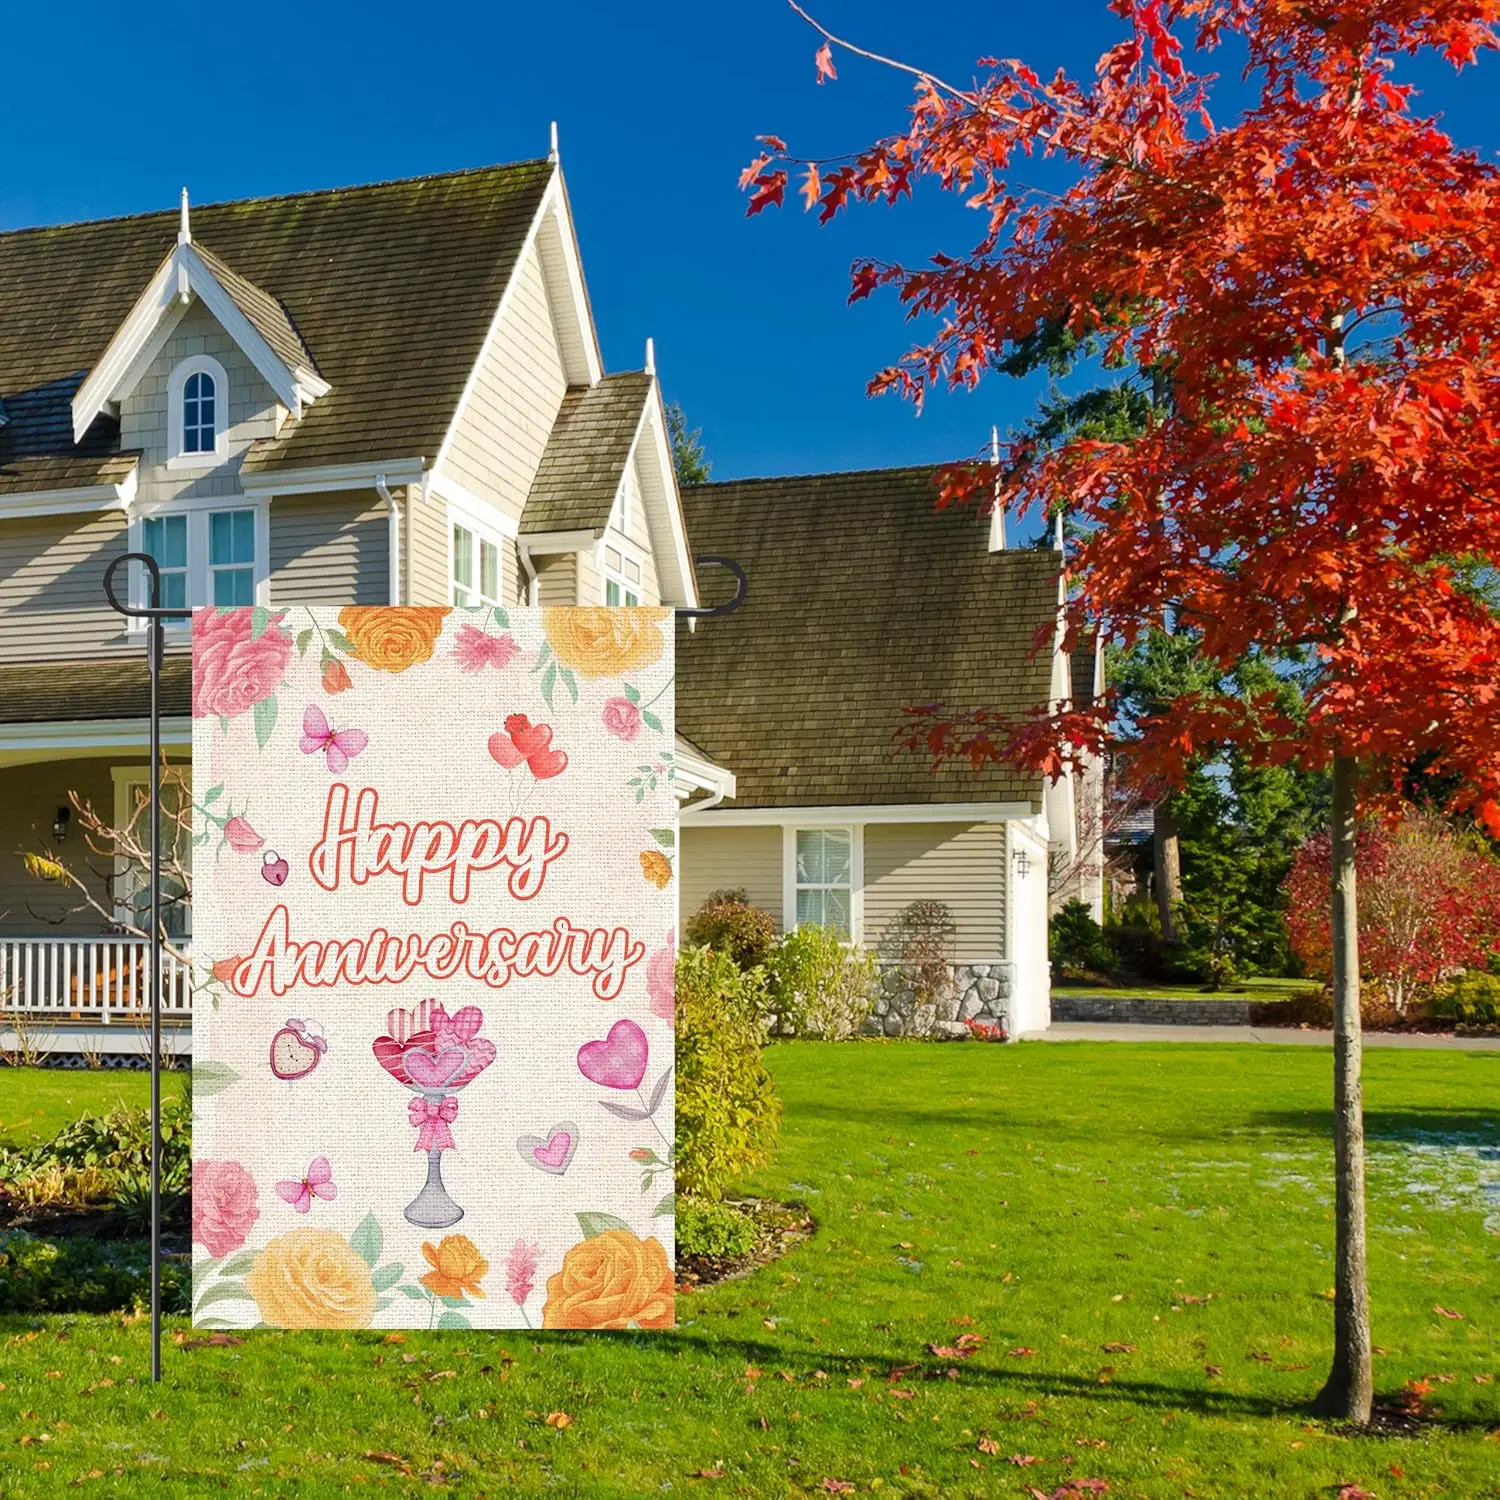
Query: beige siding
<point>590,580</point>
<point>961,865</point>
<point>630,538</point>
<point>330,549</point>
<point>252,407</point>
<point>52,586</point>
<point>557,578</point>
<point>515,399</point>
<point>426,538</point>
<point>714,859</point>
<point>29,798</point>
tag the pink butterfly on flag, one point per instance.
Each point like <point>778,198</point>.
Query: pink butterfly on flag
<point>340,748</point>
<point>317,1183</point>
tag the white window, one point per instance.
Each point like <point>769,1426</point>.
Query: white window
<point>197,413</point>
<point>206,555</point>
<point>622,578</point>
<point>132,883</point>
<point>823,876</point>
<point>476,567</point>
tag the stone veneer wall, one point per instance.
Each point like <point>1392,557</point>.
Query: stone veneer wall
<point>979,993</point>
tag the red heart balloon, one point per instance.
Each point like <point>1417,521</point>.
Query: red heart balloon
<point>547,763</point>
<point>504,751</point>
<point>527,737</point>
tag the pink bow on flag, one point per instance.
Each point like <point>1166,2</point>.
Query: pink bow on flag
<point>432,1119</point>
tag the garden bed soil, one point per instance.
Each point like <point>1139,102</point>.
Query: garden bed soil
<point>779,1227</point>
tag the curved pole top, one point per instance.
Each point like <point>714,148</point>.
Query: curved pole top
<point>703,612</point>
<point>153,611</point>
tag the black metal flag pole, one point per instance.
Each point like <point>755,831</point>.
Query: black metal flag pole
<point>154,615</point>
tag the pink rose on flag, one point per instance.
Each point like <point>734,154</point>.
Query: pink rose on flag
<point>224,1205</point>
<point>241,837</point>
<point>234,669</point>
<point>622,718</point>
<point>661,980</point>
<point>474,650</point>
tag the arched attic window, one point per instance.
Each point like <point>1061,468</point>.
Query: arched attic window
<point>197,413</point>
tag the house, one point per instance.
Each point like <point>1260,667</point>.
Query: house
<point>394,394</point>
<point>864,599</point>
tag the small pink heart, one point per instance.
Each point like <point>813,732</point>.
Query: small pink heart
<point>619,1061</point>
<point>432,1072</point>
<point>463,1023</point>
<point>546,764</point>
<point>274,868</point>
<point>504,751</point>
<point>555,1152</point>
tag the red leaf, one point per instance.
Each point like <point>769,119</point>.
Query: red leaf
<point>826,68</point>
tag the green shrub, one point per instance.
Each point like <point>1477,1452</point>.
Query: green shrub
<point>1075,942</point>
<point>819,986</point>
<point>79,1274</point>
<point>728,1115</point>
<point>1470,999</point>
<point>728,921</point>
<point>119,1141</point>
<point>713,1229</point>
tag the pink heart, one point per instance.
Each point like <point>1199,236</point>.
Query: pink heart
<point>619,1061</point>
<point>432,1072</point>
<point>555,1152</point>
<point>528,737</point>
<point>504,751</point>
<point>464,1023</point>
<point>548,763</point>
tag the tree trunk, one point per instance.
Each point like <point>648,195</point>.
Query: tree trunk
<point>1348,1390</point>
<point>1167,856</point>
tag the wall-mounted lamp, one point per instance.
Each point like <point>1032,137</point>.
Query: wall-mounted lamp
<point>1023,863</point>
<point>60,823</point>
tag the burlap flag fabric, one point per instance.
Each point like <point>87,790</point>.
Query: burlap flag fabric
<point>434,907</point>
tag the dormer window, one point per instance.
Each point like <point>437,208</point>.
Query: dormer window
<point>197,413</point>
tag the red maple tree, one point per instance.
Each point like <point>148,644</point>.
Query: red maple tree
<point>1314,289</point>
<point>1429,905</point>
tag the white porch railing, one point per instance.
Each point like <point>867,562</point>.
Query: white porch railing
<point>86,978</point>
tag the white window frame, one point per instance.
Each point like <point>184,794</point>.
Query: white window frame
<point>197,364</point>
<point>617,576</point>
<point>128,781</point>
<point>199,571</point>
<point>481,533</point>
<point>790,884</point>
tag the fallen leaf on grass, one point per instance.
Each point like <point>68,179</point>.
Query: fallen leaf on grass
<point>988,1445</point>
<point>1020,1352</point>
<point>1484,1380</point>
<point>559,1419</point>
<point>963,1320</point>
<point>1119,1348</point>
<point>897,1371</point>
<point>1354,1492</point>
<point>1449,1312</point>
<point>213,1341</point>
<point>838,1486</point>
<point>855,1381</point>
<point>706,1474</point>
<point>1264,1359</point>
<point>1023,1460</point>
<point>380,1456</point>
<point>1212,1370</point>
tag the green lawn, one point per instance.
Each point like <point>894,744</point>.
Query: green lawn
<point>1171,1201</point>
<point>35,1103</point>
<point>1240,989</point>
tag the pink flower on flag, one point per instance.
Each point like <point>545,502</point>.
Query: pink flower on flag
<point>661,980</point>
<point>241,837</point>
<point>474,650</point>
<point>520,1270</point>
<point>224,1205</point>
<point>234,669</point>
<point>622,718</point>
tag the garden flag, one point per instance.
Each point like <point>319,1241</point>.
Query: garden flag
<point>434,909</point>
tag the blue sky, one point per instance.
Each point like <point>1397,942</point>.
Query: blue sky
<point>658,106</point>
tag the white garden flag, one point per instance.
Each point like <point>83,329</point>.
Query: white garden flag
<point>433,914</point>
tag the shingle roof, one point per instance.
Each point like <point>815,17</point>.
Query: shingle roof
<point>268,316</point>
<point>67,690</point>
<point>863,599</point>
<point>391,288</point>
<point>580,471</point>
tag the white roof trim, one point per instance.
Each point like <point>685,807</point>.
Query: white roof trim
<point>311,481</point>
<point>695,774</point>
<point>181,274</point>
<point>79,500</point>
<point>674,565</point>
<point>467,505</point>
<point>552,209</point>
<point>91,734</point>
<point>835,816</point>
<point>540,542</point>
